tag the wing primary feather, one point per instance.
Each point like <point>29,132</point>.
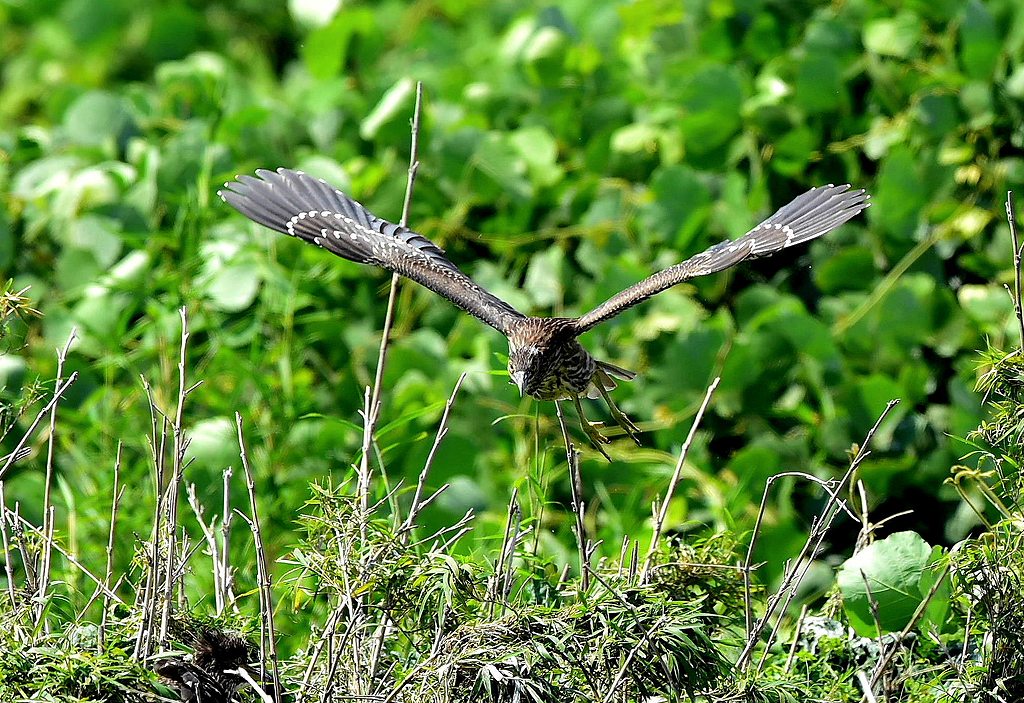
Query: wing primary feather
<point>806,217</point>
<point>300,205</point>
<point>799,205</point>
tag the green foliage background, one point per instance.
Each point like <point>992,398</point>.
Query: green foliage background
<point>567,151</point>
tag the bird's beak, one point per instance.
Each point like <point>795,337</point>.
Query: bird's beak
<point>519,378</point>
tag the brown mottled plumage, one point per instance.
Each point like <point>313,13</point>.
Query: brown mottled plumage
<point>545,359</point>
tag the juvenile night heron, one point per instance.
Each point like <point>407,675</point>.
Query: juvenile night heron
<point>545,359</point>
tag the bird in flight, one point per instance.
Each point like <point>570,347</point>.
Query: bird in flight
<point>545,359</point>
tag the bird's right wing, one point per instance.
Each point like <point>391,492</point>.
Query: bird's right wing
<point>816,212</point>
<point>299,205</point>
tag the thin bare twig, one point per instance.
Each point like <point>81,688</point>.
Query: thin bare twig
<point>629,659</point>
<point>177,475</point>
<point>211,543</point>
<point>116,493</point>
<point>8,566</point>
<point>18,453</point>
<point>262,569</point>
<point>373,407</point>
<point>576,492</point>
<point>662,512</point>
<point>44,559</point>
<point>829,486</point>
<point>326,636</point>
<point>145,598</point>
<point>442,430</point>
<point>226,570</point>
<point>1011,217</point>
<point>797,634</point>
<point>247,677</point>
<point>890,652</point>
<point>372,401</point>
<point>25,524</point>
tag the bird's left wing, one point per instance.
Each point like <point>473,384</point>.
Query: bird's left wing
<point>816,212</point>
<point>299,205</point>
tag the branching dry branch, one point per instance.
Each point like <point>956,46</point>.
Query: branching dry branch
<point>797,568</point>
<point>17,452</point>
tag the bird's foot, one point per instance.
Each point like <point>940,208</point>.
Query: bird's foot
<point>597,439</point>
<point>621,419</point>
<point>594,435</point>
<point>626,424</point>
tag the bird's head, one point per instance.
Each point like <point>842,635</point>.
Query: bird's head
<point>526,366</point>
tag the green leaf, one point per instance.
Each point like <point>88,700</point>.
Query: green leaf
<point>544,277</point>
<point>98,235</point>
<point>213,444</point>
<point>635,138</point>
<point>6,241</point>
<point>712,100</point>
<point>44,176</point>
<point>792,151</point>
<point>898,36</point>
<point>174,32</point>
<point>682,203</point>
<point>979,41</point>
<point>495,157</point>
<point>641,17</point>
<point>233,288</point>
<point>849,268</point>
<point>97,119</point>
<point>396,102</point>
<point>987,305</point>
<point>889,573</point>
<point>12,372</point>
<point>819,83</point>
<point>544,55</point>
<point>938,607</point>
<point>76,268</point>
<point>539,150</point>
<point>326,49</point>
<point>899,196</point>
<point>313,13</point>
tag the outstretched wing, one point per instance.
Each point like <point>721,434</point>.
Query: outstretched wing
<point>816,212</point>
<point>302,206</point>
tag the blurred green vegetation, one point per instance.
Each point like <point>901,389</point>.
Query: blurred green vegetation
<point>567,151</point>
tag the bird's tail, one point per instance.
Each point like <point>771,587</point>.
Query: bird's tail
<point>605,374</point>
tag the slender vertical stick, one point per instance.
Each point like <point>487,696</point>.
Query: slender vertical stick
<point>147,599</point>
<point>226,570</point>
<point>576,492</point>
<point>1011,217</point>
<point>659,522</point>
<point>372,402</point>
<point>508,542</point>
<point>262,568</point>
<point>211,544</point>
<point>44,559</point>
<point>389,315</point>
<point>115,502</point>
<point>174,488</point>
<point>8,568</point>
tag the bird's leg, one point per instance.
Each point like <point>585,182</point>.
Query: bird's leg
<point>595,436</point>
<point>620,417</point>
